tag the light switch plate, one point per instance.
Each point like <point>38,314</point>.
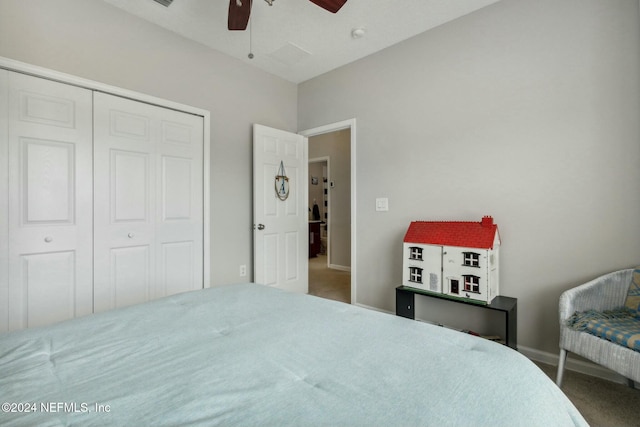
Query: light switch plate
<point>382,204</point>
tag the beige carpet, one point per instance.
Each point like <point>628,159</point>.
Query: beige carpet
<point>602,403</point>
<point>327,282</point>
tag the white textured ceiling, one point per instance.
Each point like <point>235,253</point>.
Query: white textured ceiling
<point>295,39</point>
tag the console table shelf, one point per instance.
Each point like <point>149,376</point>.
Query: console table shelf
<point>405,307</point>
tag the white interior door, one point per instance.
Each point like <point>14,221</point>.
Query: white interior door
<point>281,230</point>
<point>148,199</point>
<point>49,202</point>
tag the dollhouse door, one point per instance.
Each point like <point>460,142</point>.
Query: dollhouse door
<point>280,227</point>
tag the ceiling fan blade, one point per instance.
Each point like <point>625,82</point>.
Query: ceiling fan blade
<point>331,5</point>
<point>239,12</point>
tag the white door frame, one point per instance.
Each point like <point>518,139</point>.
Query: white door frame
<point>333,127</point>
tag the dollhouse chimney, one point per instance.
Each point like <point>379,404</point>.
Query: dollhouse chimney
<point>487,221</point>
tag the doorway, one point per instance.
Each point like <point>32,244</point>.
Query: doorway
<point>331,151</point>
<point>319,181</point>
<point>326,280</point>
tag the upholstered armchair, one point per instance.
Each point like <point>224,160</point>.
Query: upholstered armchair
<point>607,292</point>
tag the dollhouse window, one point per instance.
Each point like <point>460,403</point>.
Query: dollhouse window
<point>415,274</point>
<point>415,253</point>
<point>471,259</point>
<point>471,283</point>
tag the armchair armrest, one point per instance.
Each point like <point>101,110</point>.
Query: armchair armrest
<point>603,293</point>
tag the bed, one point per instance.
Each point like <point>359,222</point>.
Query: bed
<point>250,355</point>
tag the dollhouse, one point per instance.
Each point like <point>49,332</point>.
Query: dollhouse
<point>456,258</point>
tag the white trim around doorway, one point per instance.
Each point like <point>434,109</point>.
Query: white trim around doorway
<point>333,127</point>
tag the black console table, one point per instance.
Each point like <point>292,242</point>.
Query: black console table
<point>405,307</point>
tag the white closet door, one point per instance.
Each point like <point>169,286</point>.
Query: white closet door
<point>148,202</point>
<point>49,202</point>
<point>179,202</point>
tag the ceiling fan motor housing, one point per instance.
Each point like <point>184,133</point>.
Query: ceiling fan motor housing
<point>240,10</point>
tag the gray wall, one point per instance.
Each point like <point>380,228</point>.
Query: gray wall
<point>525,110</point>
<point>337,146</point>
<point>93,40</point>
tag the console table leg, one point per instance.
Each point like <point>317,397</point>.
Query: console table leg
<point>512,328</point>
<point>405,304</point>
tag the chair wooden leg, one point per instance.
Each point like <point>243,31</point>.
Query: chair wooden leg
<point>561,360</point>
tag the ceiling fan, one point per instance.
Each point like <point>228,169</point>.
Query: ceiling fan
<point>239,11</point>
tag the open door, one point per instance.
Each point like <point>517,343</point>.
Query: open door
<point>280,212</point>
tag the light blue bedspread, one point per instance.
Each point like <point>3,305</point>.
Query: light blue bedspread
<point>248,355</point>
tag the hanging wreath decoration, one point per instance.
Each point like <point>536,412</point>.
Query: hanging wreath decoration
<point>282,183</point>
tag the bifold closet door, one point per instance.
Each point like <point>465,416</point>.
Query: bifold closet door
<point>46,154</point>
<point>148,201</point>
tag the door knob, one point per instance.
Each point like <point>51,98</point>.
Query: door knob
<point>48,239</point>
<point>130,235</point>
<point>260,226</point>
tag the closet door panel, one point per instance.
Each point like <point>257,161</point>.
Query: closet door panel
<point>50,201</point>
<point>176,184</point>
<point>50,287</point>
<point>130,275</point>
<point>179,220</point>
<point>129,175</point>
<point>148,194</point>
<point>179,263</point>
<point>124,200</point>
<point>48,181</point>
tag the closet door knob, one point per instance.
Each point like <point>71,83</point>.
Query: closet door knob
<point>48,239</point>
<point>130,235</point>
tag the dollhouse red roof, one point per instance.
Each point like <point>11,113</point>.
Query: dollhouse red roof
<point>466,234</point>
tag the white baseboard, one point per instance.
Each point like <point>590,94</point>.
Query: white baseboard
<point>340,267</point>
<point>572,364</point>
